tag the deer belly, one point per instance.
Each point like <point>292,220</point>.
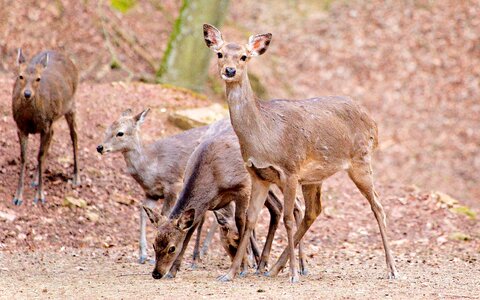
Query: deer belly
<point>317,171</point>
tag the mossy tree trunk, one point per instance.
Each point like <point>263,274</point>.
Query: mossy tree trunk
<point>186,59</point>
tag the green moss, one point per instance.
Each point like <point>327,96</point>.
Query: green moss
<point>464,210</point>
<point>123,5</point>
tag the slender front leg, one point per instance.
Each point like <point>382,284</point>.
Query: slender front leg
<point>275,208</point>
<point>302,261</point>
<point>143,234</point>
<point>313,207</point>
<point>72,125</point>
<point>23,139</point>
<point>289,194</point>
<point>258,196</point>
<point>241,206</point>
<point>208,239</point>
<point>45,140</point>
<point>196,249</point>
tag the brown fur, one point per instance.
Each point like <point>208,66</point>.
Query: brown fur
<point>215,177</point>
<point>158,167</point>
<point>51,78</point>
<point>294,142</point>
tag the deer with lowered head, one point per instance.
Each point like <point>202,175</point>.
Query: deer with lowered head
<point>215,177</point>
<point>42,93</point>
<point>289,142</point>
<point>158,168</point>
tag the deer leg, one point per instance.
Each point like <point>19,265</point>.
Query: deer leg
<point>143,234</point>
<point>254,259</point>
<point>23,139</point>
<point>208,239</point>
<point>196,249</point>
<point>72,125</point>
<point>240,219</point>
<point>299,214</point>
<point>177,263</point>
<point>258,196</point>
<point>275,208</point>
<point>45,140</point>
<point>313,207</point>
<point>361,175</point>
<point>289,194</point>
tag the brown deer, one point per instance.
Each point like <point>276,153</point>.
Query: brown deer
<point>158,168</point>
<point>215,177</point>
<point>43,92</point>
<point>289,142</point>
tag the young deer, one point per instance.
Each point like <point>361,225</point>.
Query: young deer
<point>43,92</point>
<point>158,167</point>
<point>215,176</point>
<point>294,142</point>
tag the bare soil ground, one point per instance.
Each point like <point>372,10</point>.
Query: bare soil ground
<point>414,64</point>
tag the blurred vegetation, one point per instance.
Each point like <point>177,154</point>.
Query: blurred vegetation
<point>186,60</point>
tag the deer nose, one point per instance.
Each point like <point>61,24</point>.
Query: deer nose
<point>230,72</point>
<point>100,149</point>
<point>27,94</point>
<point>156,274</point>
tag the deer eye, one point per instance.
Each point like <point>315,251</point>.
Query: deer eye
<point>243,58</point>
<point>220,55</point>
<point>171,250</point>
<point>38,79</point>
<point>21,77</point>
<point>120,133</point>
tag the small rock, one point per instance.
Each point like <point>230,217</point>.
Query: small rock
<point>260,291</point>
<point>92,216</point>
<point>74,202</point>
<point>190,118</point>
<point>460,236</point>
<point>7,216</point>
<point>21,236</point>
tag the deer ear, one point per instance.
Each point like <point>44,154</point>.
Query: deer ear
<point>126,113</point>
<point>212,36</point>
<point>140,118</point>
<point>44,60</point>
<point>185,222</point>
<point>20,57</point>
<point>154,216</point>
<point>258,44</point>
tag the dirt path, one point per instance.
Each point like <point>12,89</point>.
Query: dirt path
<point>93,275</point>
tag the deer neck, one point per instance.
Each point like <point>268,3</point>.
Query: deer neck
<point>135,157</point>
<point>244,108</point>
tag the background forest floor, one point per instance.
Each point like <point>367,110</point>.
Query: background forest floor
<point>414,64</point>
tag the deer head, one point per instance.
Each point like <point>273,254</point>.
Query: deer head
<point>233,57</point>
<point>169,238</point>
<point>124,134</point>
<point>29,77</point>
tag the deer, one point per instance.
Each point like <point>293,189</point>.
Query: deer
<point>215,177</point>
<point>294,142</point>
<point>158,167</point>
<point>43,92</point>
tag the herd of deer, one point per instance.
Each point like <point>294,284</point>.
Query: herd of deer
<point>264,152</point>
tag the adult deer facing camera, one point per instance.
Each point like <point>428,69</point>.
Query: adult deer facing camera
<point>43,92</point>
<point>294,142</point>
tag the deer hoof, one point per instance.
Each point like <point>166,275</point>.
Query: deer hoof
<point>76,181</point>
<point>393,275</point>
<point>225,278</point>
<point>303,270</point>
<point>169,276</point>
<point>17,201</point>
<point>36,199</point>
<point>243,273</point>
<point>294,279</point>
<point>34,184</point>
<point>142,259</point>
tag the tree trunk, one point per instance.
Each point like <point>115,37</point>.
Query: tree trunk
<point>186,59</point>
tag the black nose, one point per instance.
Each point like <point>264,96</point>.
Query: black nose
<point>100,149</point>
<point>27,94</point>
<point>156,274</point>
<point>230,72</point>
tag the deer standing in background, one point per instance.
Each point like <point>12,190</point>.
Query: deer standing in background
<point>43,92</point>
<point>289,142</point>
<point>157,167</point>
<point>215,177</point>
